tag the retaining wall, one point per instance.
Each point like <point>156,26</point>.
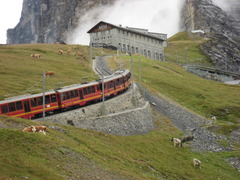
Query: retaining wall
<point>125,116</point>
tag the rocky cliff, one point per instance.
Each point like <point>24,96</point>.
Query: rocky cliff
<point>221,28</point>
<point>50,21</point>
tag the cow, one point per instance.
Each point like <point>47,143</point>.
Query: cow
<point>197,163</point>
<point>29,129</point>
<point>60,52</point>
<point>37,56</point>
<point>41,129</point>
<point>49,74</point>
<point>176,142</point>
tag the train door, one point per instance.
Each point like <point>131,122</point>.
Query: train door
<point>27,109</point>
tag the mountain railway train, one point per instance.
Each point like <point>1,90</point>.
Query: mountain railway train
<point>77,95</point>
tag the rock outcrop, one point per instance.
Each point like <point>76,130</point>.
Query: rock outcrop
<point>222,31</point>
<point>50,21</point>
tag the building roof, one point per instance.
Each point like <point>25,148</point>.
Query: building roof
<point>140,31</point>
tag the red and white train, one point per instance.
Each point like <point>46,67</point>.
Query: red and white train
<point>31,106</point>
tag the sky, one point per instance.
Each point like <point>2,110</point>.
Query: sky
<point>10,13</point>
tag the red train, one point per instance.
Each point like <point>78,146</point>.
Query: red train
<point>31,106</point>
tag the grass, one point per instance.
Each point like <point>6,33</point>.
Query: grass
<point>150,156</point>
<point>185,48</point>
<point>21,74</point>
<point>205,97</point>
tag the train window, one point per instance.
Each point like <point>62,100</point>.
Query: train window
<point>34,102</point>
<point>76,93</point>
<point>71,94</point>
<point>85,91</point>
<point>47,99</point>
<point>40,101</point>
<point>93,89</point>
<point>19,105</point>
<point>67,95</point>
<point>4,109</point>
<point>53,98</point>
<point>89,90</point>
<point>12,107</point>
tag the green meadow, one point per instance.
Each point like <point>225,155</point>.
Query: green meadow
<point>82,154</point>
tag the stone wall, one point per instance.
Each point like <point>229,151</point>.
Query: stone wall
<point>125,116</point>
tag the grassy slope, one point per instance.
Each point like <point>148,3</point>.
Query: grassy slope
<point>151,156</point>
<point>19,72</point>
<point>205,97</point>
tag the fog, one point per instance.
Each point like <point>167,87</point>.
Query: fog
<point>226,5</point>
<point>160,16</point>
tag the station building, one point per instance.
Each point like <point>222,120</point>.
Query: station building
<point>129,40</point>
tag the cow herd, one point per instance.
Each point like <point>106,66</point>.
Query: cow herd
<point>179,143</point>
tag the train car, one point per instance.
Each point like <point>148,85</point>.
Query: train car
<point>29,106</point>
<point>78,95</point>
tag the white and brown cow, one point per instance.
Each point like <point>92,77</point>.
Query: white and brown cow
<point>176,142</point>
<point>41,129</point>
<point>197,163</point>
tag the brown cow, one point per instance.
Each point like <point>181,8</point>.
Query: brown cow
<point>29,129</point>
<point>60,52</point>
<point>41,129</point>
<point>37,56</point>
<point>50,74</point>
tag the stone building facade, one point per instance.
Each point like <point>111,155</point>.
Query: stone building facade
<point>130,40</point>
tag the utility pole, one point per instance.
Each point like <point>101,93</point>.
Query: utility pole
<point>102,87</point>
<point>140,71</point>
<point>44,87</point>
<point>90,45</point>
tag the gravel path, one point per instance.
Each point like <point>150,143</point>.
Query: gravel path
<point>188,122</point>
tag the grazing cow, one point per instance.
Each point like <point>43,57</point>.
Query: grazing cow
<point>37,56</point>
<point>197,163</point>
<point>49,74</point>
<point>29,129</point>
<point>60,52</point>
<point>176,142</point>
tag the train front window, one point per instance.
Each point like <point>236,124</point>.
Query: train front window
<point>4,109</point>
<point>12,107</point>
<point>19,105</point>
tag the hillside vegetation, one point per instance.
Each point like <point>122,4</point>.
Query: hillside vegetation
<point>205,97</point>
<point>67,152</point>
<point>22,74</point>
